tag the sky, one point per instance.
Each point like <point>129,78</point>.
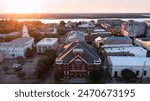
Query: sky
<point>74,6</point>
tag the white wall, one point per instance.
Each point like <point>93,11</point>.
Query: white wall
<point>134,69</point>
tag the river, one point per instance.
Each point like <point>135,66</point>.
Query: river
<point>77,20</point>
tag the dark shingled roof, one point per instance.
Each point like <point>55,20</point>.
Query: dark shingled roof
<point>118,40</point>
<point>90,53</point>
<point>74,36</point>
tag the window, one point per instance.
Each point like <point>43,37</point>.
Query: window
<point>137,72</point>
<point>73,67</point>
<point>115,74</point>
<point>82,67</point>
<point>145,72</point>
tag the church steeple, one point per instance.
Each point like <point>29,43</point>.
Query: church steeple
<point>25,32</point>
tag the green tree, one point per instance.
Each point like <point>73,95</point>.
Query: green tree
<point>45,63</point>
<point>43,66</point>
<point>30,52</point>
<point>20,59</point>
<point>128,75</point>
<point>62,24</point>
<point>58,76</point>
<point>62,32</point>
<point>96,75</point>
<point>5,68</point>
<point>21,74</point>
<point>50,53</point>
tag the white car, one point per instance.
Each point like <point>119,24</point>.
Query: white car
<point>16,65</point>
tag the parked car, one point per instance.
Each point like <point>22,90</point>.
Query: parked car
<point>16,65</point>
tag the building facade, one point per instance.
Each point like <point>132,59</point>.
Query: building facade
<point>1,57</point>
<point>18,46</point>
<point>77,60</point>
<point>139,65</point>
<point>133,29</point>
<point>46,43</point>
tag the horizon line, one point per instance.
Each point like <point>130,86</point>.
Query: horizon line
<point>84,13</point>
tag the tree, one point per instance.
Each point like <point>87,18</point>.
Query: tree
<point>62,32</point>
<point>57,76</point>
<point>62,24</point>
<point>30,52</point>
<point>96,75</point>
<point>21,74</point>
<point>50,53</point>
<point>42,68</point>
<point>45,63</point>
<point>20,59</point>
<point>5,68</point>
<point>79,23</point>
<point>128,75</point>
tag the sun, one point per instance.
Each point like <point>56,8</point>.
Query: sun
<point>23,6</point>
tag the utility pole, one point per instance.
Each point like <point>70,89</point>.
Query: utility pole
<point>143,72</point>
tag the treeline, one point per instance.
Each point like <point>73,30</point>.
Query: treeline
<point>8,26</point>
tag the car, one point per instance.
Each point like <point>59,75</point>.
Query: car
<point>15,65</point>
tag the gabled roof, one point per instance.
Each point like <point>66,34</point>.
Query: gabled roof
<point>75,36</point>
<point>90,54</point>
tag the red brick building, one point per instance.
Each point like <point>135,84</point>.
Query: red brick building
<point>77,60</point>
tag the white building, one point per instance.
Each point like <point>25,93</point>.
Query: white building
<point>1,57</point>
<point>139,65</point>
<point>46,43</point>
<point>98,40</point>
<point>68,24</point>
<point>148,29</point>
<point>53,30</point>
<point>135,51</point>
<point>25,32</point>
<point>87,25</point>
<point>18,46</point>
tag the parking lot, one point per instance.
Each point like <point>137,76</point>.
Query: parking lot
<point>11,76</point>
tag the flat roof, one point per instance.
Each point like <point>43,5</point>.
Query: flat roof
<point>130,61</point>
<point>135,50</point>
<point>47,41</point>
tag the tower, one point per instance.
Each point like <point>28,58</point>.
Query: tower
<point>25,32</point>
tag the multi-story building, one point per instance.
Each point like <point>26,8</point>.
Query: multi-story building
<point>77,60</point>
<point>89,24</point>
<point>133,29</point>
<point>1,57</point>
<point>46,43</point>
<point>18,46</point>
<point>139,65</point>
<point>148,29</point>
<point>113,42</point>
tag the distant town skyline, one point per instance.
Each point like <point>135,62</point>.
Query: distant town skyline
<point>74,6</point>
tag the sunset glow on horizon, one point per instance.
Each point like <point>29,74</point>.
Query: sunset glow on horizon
<point>74,6</point>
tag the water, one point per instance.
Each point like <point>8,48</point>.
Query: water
<point>77,20</point>
<point>137,19</point>
<point>56,20</point>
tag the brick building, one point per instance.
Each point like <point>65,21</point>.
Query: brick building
<point>77,60</point>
